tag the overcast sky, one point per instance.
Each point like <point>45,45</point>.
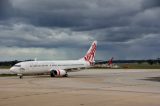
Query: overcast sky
<point>64,29</point>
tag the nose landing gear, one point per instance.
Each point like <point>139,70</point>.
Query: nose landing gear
<point>20,76</point>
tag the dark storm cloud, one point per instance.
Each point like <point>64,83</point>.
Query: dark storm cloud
<point>5,9</point>
<point>84,15</point>
<point>118,25</point>
<point>78,15</point>
<point>124,34</point>
<point>30,36</point>
<point>146,4</point>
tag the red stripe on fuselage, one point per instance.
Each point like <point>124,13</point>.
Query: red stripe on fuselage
<point>58,72</point>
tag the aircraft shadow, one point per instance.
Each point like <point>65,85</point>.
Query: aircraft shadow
<point>156,79</point>
<point>70,76</point>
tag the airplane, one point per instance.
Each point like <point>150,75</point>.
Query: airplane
<point>106,64</point>
<point>55,68</point>
<point>111,65</point>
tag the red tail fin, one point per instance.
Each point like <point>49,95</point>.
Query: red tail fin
<point>110,61</point>
<point>90,55</point>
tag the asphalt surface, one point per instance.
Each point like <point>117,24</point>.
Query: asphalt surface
<point>91,87</point>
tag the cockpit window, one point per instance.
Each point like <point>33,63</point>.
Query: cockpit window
<point>17,65</point>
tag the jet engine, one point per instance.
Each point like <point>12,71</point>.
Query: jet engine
<point>61,73</point>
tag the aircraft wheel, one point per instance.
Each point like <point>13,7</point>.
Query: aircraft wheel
<point>20,76</point>
<point>66,75</point>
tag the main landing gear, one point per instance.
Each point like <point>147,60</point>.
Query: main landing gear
<point>66,75</point>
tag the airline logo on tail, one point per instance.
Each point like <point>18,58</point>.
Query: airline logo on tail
<point>89,57</point>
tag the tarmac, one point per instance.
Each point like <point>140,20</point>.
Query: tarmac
<point>90,87</point>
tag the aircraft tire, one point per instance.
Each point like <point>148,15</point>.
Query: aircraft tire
<point>66,75</point>
<point>20,76</point>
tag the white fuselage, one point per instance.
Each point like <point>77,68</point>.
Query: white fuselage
<point>33,67</point>
<point>55,68</point>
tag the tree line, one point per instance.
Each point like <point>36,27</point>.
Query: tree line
<point>149,61</point>
<point>11,63</point>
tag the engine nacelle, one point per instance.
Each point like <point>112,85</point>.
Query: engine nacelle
<point>58,73</point>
